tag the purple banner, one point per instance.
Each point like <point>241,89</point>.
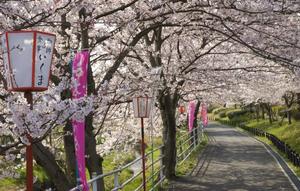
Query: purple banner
<point>192,107</point>
<point>79,72</point>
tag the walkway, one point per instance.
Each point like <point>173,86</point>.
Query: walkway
<point>236,162</point>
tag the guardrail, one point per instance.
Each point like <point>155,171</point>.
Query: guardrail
<point>211,118</point>
<point>117,185</point>
<point>187,144</point>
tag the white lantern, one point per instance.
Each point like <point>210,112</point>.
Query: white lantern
<point>142,106</point>
<point>27,58</point>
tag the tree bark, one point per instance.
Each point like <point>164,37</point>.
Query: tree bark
<point>298,101</point>
<point>289,117</point>
<point>195,123</point>
<point>269,112</point>
<point>262,111</point>
<point>69,148</point>
<point>289,100</point>
<point>93,161</point>
<point>257,112</point>
<point>168,110</point>
<point>46,159</point>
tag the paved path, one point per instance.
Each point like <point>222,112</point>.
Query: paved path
<point>233,161</point>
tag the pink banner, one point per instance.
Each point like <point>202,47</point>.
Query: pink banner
<point>204,116</point>
<point>79,73</point>
<point>192,107</point>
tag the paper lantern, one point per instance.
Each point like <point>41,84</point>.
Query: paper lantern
<point>27,58</point>
<point>181,109</point>
<point>142,106</point>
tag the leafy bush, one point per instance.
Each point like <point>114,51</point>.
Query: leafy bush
<point>218,110</point>
<point>280,110</point>
<point>235,113</point>
<point>296,115</point>
<point>211,108</point>
<point>222,114</point>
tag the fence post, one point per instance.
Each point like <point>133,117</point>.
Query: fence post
<point>180,149</point>
<point>199,134</point>
<point>94,184</point>
<point>116,181</point>
<point>161,172</point>
<point>194,137</point>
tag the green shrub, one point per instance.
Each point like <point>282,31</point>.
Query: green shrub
<point>222,114</point>
<point>218,110</point>
<point>211,108</point>
<point>296,115</point>
<point>235,113</point>
<point>280,110</point>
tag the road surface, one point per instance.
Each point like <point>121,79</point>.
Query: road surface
<point>236,162</point>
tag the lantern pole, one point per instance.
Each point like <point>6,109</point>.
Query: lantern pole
<point>143,154</point>
<point>29,155</point>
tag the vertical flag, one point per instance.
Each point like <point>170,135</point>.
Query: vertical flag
<point>79,74</point>
<point>204,116</point>
<point>192,107</point>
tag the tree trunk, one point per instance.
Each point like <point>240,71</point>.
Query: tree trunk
<point>289,115</point>
<point>262,111</point>
<point>45,159</point>
<point>289,100</point>
<point>269,112</point>
<point>251,107</point>
<point>69,148</point>
<point>257,112</point>
<point>94,161</point>
<point>167,109</point>
<point>195,123</point>
<point>298,101</point>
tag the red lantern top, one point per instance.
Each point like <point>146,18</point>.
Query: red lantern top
<point>181,109</point>
<point>27,58</point>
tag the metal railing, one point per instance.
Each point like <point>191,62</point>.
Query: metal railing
<point>188,142</point>
<point>116,173</point>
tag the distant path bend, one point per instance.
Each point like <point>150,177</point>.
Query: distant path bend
<point>233,161</point>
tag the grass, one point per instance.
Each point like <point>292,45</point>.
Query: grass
<point>8,184</point>
<point>285,132</point>
<point>113,161</point>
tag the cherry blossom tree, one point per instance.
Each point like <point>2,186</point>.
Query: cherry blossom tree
<point>219,50</point>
